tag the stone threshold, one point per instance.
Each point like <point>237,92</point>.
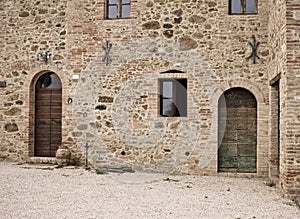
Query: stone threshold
<point>240,175</point>
<point>42,160</point>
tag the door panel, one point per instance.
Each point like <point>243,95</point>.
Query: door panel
<point>48,110</point>
<point>238,147</point>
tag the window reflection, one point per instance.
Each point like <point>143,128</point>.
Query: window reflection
<point>168,89</point>
<point>118,9</point>
<point>126,11</point>
<point>112,11</point>
<point>236,6</point>
<point>173,97</point>
<point>251,6</point>
<point>242,6</point>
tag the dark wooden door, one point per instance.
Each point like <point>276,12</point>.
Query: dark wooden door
<point>48,110</point>
<point>238,145</point>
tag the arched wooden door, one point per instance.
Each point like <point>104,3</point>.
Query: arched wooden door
<point>238,146</point>
<point>48,110</point>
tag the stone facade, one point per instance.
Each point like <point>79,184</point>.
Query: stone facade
<point>115,105</point>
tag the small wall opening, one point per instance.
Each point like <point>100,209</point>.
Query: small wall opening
<point>274,149</point>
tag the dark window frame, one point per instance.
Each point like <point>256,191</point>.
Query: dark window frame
<point>179,100</point>
<point>119,5</point>
<point>243,9</point>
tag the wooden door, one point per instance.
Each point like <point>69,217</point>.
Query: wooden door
<point>238,146</point>
<point>48,110</point>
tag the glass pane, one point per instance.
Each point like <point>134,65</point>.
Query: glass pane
<point>251,6</point>
<point>125,1</point>
<point>112,11</point>
<point>181,97</point>
<point>235,6</point>
<point>125,11</point>
<point>167,89</point>
<point>168,108</point>
<point>112,1</point>
<point>49,80</point>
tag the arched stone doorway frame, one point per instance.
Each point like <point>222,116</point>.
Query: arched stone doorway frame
<point>29,96</point>
<point>262,119</point>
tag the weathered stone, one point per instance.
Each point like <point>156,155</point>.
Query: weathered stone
<point>15,73</point>
<point>13,97</point>
<point>159,125</point>
<point>177,20</point>
<point>13,112</point>
<point>151,25</point>
<point>168,33</point>
<point>42,11</point>
<point>8,104</point>
<point>12,150</point>
<point>187,43</point>
<point>82,127</point>
<point>57,57</point>
<point>174,125</point>
<point>24,14</point>
<point>198,35</point>
<point>4,155</point>
<point>11,127</point>
<point>105,99</point>
<point>149,4</point>
<point>89,135</point>
<point>177,12</point>
<point>296,15</point>
<point>76,134</point>
<point>207,26</point>
<point>196,19</point>
<point>101,107</point>
<point>108,124</point>
<point>212,4</point>
<point>167,26</point>
<point>2,84</point>
<point>64,32</point>
<point>3,149</point>
<point>265,53</point>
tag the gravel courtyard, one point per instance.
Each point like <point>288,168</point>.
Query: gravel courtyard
<point>46,192</point>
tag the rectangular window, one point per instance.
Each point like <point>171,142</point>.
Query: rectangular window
<point>242,6</point>
<point>173,97</point>
<point>118,9</point>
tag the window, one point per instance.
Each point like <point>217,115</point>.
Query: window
<point>242,6</point>
<point>118,9</point>
<point>173,97</point>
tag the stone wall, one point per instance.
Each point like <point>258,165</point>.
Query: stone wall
<point>120,100</point>
<point>277,72</point>
<point>27,28</point>
<point>283,70</point>
<point>291,150</point>
<point>115,107</point>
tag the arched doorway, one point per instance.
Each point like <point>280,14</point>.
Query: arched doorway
<point>237,112</point>
<point>48,110</point>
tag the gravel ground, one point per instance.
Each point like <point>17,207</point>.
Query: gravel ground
<point>45,192</point>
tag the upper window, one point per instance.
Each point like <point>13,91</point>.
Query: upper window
<point>173,97</point>
<point>242,6</point>
<point>118,9</point>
